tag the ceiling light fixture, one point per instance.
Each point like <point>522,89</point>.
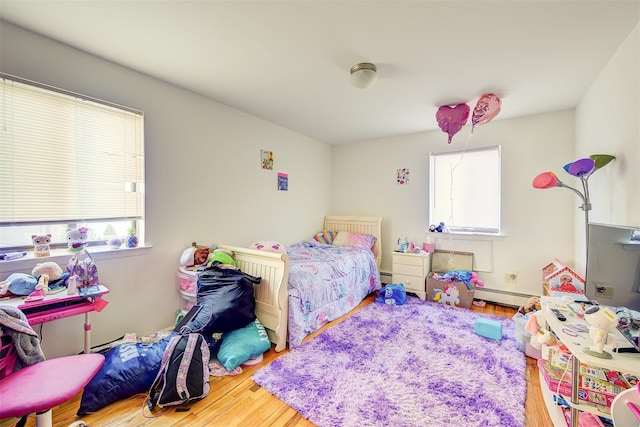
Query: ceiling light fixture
<point>363,75</point>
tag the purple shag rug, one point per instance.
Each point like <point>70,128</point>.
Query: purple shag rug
<point>419,364</point>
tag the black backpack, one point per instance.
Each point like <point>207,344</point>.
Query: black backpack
<point>184,372</point>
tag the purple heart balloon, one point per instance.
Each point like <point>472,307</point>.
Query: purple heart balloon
<point>451,119</point>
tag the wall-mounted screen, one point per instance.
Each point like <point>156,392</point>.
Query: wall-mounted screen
<point>613,266</point>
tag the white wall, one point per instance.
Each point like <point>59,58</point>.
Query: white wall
<point>537,224</point>
<point>203,182</point>
<point>608,121</point>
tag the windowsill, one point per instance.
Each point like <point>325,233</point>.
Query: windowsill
<point>62,257</point>
<point>466,235</point>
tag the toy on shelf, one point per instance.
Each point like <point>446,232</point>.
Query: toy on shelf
<point>132,240</point>
<point>42,289</point>
<point>77,239</point>
<point>403,246</point>
<point>440,228</point>
<point>41,245</point>
<point>563,281</point>
<point>601,320</point>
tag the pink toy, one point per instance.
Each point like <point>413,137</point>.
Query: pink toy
<point>475,280</point>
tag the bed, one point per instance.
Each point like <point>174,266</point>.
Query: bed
<point>286,303</point>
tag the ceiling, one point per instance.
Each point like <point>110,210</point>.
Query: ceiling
<point>288,62</point>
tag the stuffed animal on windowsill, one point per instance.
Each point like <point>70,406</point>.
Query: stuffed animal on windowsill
<point>41,245</point>
<point>77,239</point>
<point>440,228</point>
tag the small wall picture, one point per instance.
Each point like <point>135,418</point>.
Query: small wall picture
<point>283,181</point>
<point>267,159</point>
<point>402,176</point>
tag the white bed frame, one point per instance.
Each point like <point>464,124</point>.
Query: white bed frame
<point>271,295</point>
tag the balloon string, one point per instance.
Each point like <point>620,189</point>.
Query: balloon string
<point>452,168</point>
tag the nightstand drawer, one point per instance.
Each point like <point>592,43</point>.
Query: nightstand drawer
<point>410,270</point>
<point>411,283</point>
<point>409,259</point>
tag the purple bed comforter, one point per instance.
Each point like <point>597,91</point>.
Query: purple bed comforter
<point>326,282</point>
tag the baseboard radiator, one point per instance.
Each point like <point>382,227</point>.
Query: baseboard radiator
<point>499,296</point>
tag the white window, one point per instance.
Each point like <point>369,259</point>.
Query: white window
<point>464,190</point>
<point>67,161</point>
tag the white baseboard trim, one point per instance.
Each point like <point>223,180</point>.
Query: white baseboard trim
<point>502,297</point>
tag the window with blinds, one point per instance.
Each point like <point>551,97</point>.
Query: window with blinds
<point>464,190</point>
<point>67,161</point>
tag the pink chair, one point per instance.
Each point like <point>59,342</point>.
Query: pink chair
<point>40,387</point>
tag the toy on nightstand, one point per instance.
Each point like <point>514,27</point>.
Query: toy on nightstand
<point>77,239</point>
<point>41,245</point>
<point>403,246</point>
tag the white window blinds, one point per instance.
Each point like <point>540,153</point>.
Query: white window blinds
<point>65,158</point>
<point>465,189</point>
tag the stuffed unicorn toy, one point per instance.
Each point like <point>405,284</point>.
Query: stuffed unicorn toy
<point>447,295</point>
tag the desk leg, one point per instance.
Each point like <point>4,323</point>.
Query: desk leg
<point>87,333</point>
<point>575,383</point>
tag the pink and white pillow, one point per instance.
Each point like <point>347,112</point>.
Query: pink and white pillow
<point>347,238</point>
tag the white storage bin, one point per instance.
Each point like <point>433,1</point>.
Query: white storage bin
<point>187,284</point>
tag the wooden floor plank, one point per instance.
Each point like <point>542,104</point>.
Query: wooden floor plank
<point>238,401</point>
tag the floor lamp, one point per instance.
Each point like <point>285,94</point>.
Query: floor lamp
<point>582,169</point>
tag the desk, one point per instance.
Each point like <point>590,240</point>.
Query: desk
<point>59,306</point>
<point>576,343</point>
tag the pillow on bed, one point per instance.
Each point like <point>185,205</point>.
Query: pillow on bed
<point>243,344</point>
<point>325,236</point>
<point>347,238</point>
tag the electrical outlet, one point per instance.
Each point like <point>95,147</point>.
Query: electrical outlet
<point>605,292</point>
<point>511,278</point>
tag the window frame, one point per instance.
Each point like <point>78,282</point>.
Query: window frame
<point>125,132</point>
<point>460,183</point>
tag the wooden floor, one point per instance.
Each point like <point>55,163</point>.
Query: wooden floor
<point>238,401</point>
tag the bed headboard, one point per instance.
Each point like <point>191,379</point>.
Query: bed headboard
<point>358,224</point>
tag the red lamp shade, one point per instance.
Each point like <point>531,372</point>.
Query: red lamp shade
<point>545,180</point>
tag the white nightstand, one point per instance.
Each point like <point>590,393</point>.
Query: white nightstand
<point>411,270</point>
